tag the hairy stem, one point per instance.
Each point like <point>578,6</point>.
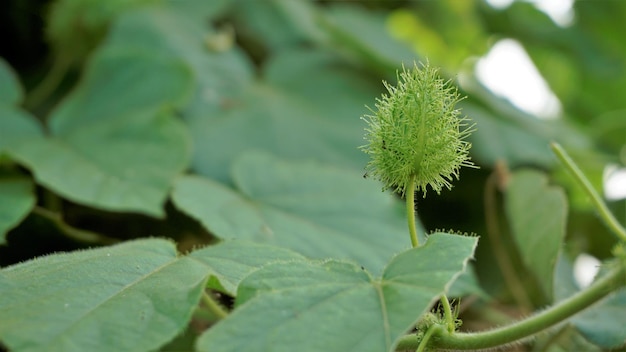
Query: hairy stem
<point>525,328</point>
<point>605,214</point>
<point>410,211</point>
<point>429,333</point>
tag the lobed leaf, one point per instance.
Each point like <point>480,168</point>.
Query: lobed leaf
<point>537,214</point>
<point>112,150</point>
<point>338,306</point>
<point>135,296</point>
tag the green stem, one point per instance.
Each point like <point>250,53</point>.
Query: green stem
<point>213,306</point>
<point>410,211</point>
<point>447,313</point>
<point>529,326</point>
<point>605,214</point>
<point>74,233</point>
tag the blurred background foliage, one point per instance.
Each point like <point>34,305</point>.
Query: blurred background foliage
<point>197,84</point>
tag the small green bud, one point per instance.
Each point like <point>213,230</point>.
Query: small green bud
<point>416,134</point>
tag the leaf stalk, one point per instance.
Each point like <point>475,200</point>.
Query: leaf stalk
<point>605,214</point>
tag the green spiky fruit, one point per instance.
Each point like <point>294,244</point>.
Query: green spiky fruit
<point>416,134</point>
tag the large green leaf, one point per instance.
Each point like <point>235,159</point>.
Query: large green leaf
<point>135,296</point>
<point>537,214</point>
<point>338,306</point>
<point>17,198</point>
<point>112,150</point>
<point>230,261</point>
<point>316,210</point>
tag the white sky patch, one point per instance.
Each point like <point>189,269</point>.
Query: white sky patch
<point>614,182</point>
<point>586,268</point>
<point>560,11</point>
<point>499,4</point>
<point>508,71</point>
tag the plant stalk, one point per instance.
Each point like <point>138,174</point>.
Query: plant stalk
<point>605,214</point>
<point>447,313</point>
<point>49,83</point>
<point>410,211</point>
<point>213,306</point>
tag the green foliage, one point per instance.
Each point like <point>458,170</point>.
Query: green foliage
<point>296,206</point>
<point>231,128</point>
<point>134,296</point>
<point>537,214</point>
<point>18,200</point>
<point>314,301</point>
<point>11,91</point>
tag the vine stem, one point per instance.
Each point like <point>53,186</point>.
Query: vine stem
<point>605,214</point>
<point>410,211</point>
<point>429,333</point>
<point>213,306</point>
<point>447,313</point>
<point>74,233</point>
<point>529,326</point>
